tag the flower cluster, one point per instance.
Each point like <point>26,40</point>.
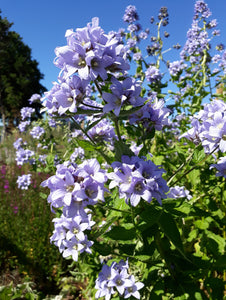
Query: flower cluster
<point>26,112</point>
<point>153,74</point>
<point>72,189</point>
<point>24,181</point>
<point>138,179</point>
<point>130,15</point>
<point>209,127</point>
<point>179,192</point>
<point>115,278</point>
<point>220,166</point>
<point>126,92</point>
<point>37,132</point>
<point>24,156</point>
<point>152,114</point>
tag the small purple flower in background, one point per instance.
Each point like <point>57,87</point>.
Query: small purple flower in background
<point>77,154</point>
<point>153,74</point>
<point>115,278</point>
<point>179,192</point>
<point>34,98</point>
<point>176,67</point>
<point>37,132</point>
<point>15,209</point>
<point>137,56</point>
<point>52,123</point>
<point>136,149</point>
<point>130,15</point>
<point>24,181</point>
<point>143,35</point>
<point>220,166</point>
<point>18,143</point>
<point>3,171</point>
<point>202,8</point>
<point>24,156</point>
<point>209,127</point>
<point>26,112</point>
<point>6,186</point>
<point>23,125</point>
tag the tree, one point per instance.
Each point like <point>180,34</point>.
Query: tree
<point>19,76</point>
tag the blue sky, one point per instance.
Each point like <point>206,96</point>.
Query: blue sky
<point>42,24</point>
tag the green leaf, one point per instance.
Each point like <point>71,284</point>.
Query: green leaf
<point>201,224</point>
<point>169,227</point>
<point>102,230</point>
<point>143,258</point>
<point>121,149</point>
<point>219,241</point>
<point>199,154</point>
<point>121,233</point>
<point>86,145</point>
<point>149,217</point>
<point>194,177</point>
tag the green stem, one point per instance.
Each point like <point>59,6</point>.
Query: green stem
<point>92,141</point>
<point>115,119</point>
<point>199,163</point>
<point>182,165</point>
<point>106,207</point>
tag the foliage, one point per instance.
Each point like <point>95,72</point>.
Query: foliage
<point>19,74</point>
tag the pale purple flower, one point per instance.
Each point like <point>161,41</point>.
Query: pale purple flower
<point>125,92</point>
<point>138,179</point>
<point>90,53</point>
<point>23,125</point>
<point>37,132</point>
<point>153,74</point>
<point>34,98</point>
<point>26,112</point>
<point>18,143</point>
<point>152,114</point>
<point>202,8</point>
<point>130,15</point>
<point>72,248</point>
<point>133,288</point>
<point>24,156</point>
<point>24,181</point>
<point>176,67</point>
<point>220,166</point>
<point>143,35</point>
<point>116,278</point>
<point>179,192</point>
<point>137,56</point>
<point>77,154</point>
<point>209,127</point>
<point>102,131</point>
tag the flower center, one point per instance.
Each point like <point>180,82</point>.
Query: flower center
<point>69,188</point>
<point>119,282</point>
<point>138,187</point>
<point>82,63</point>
